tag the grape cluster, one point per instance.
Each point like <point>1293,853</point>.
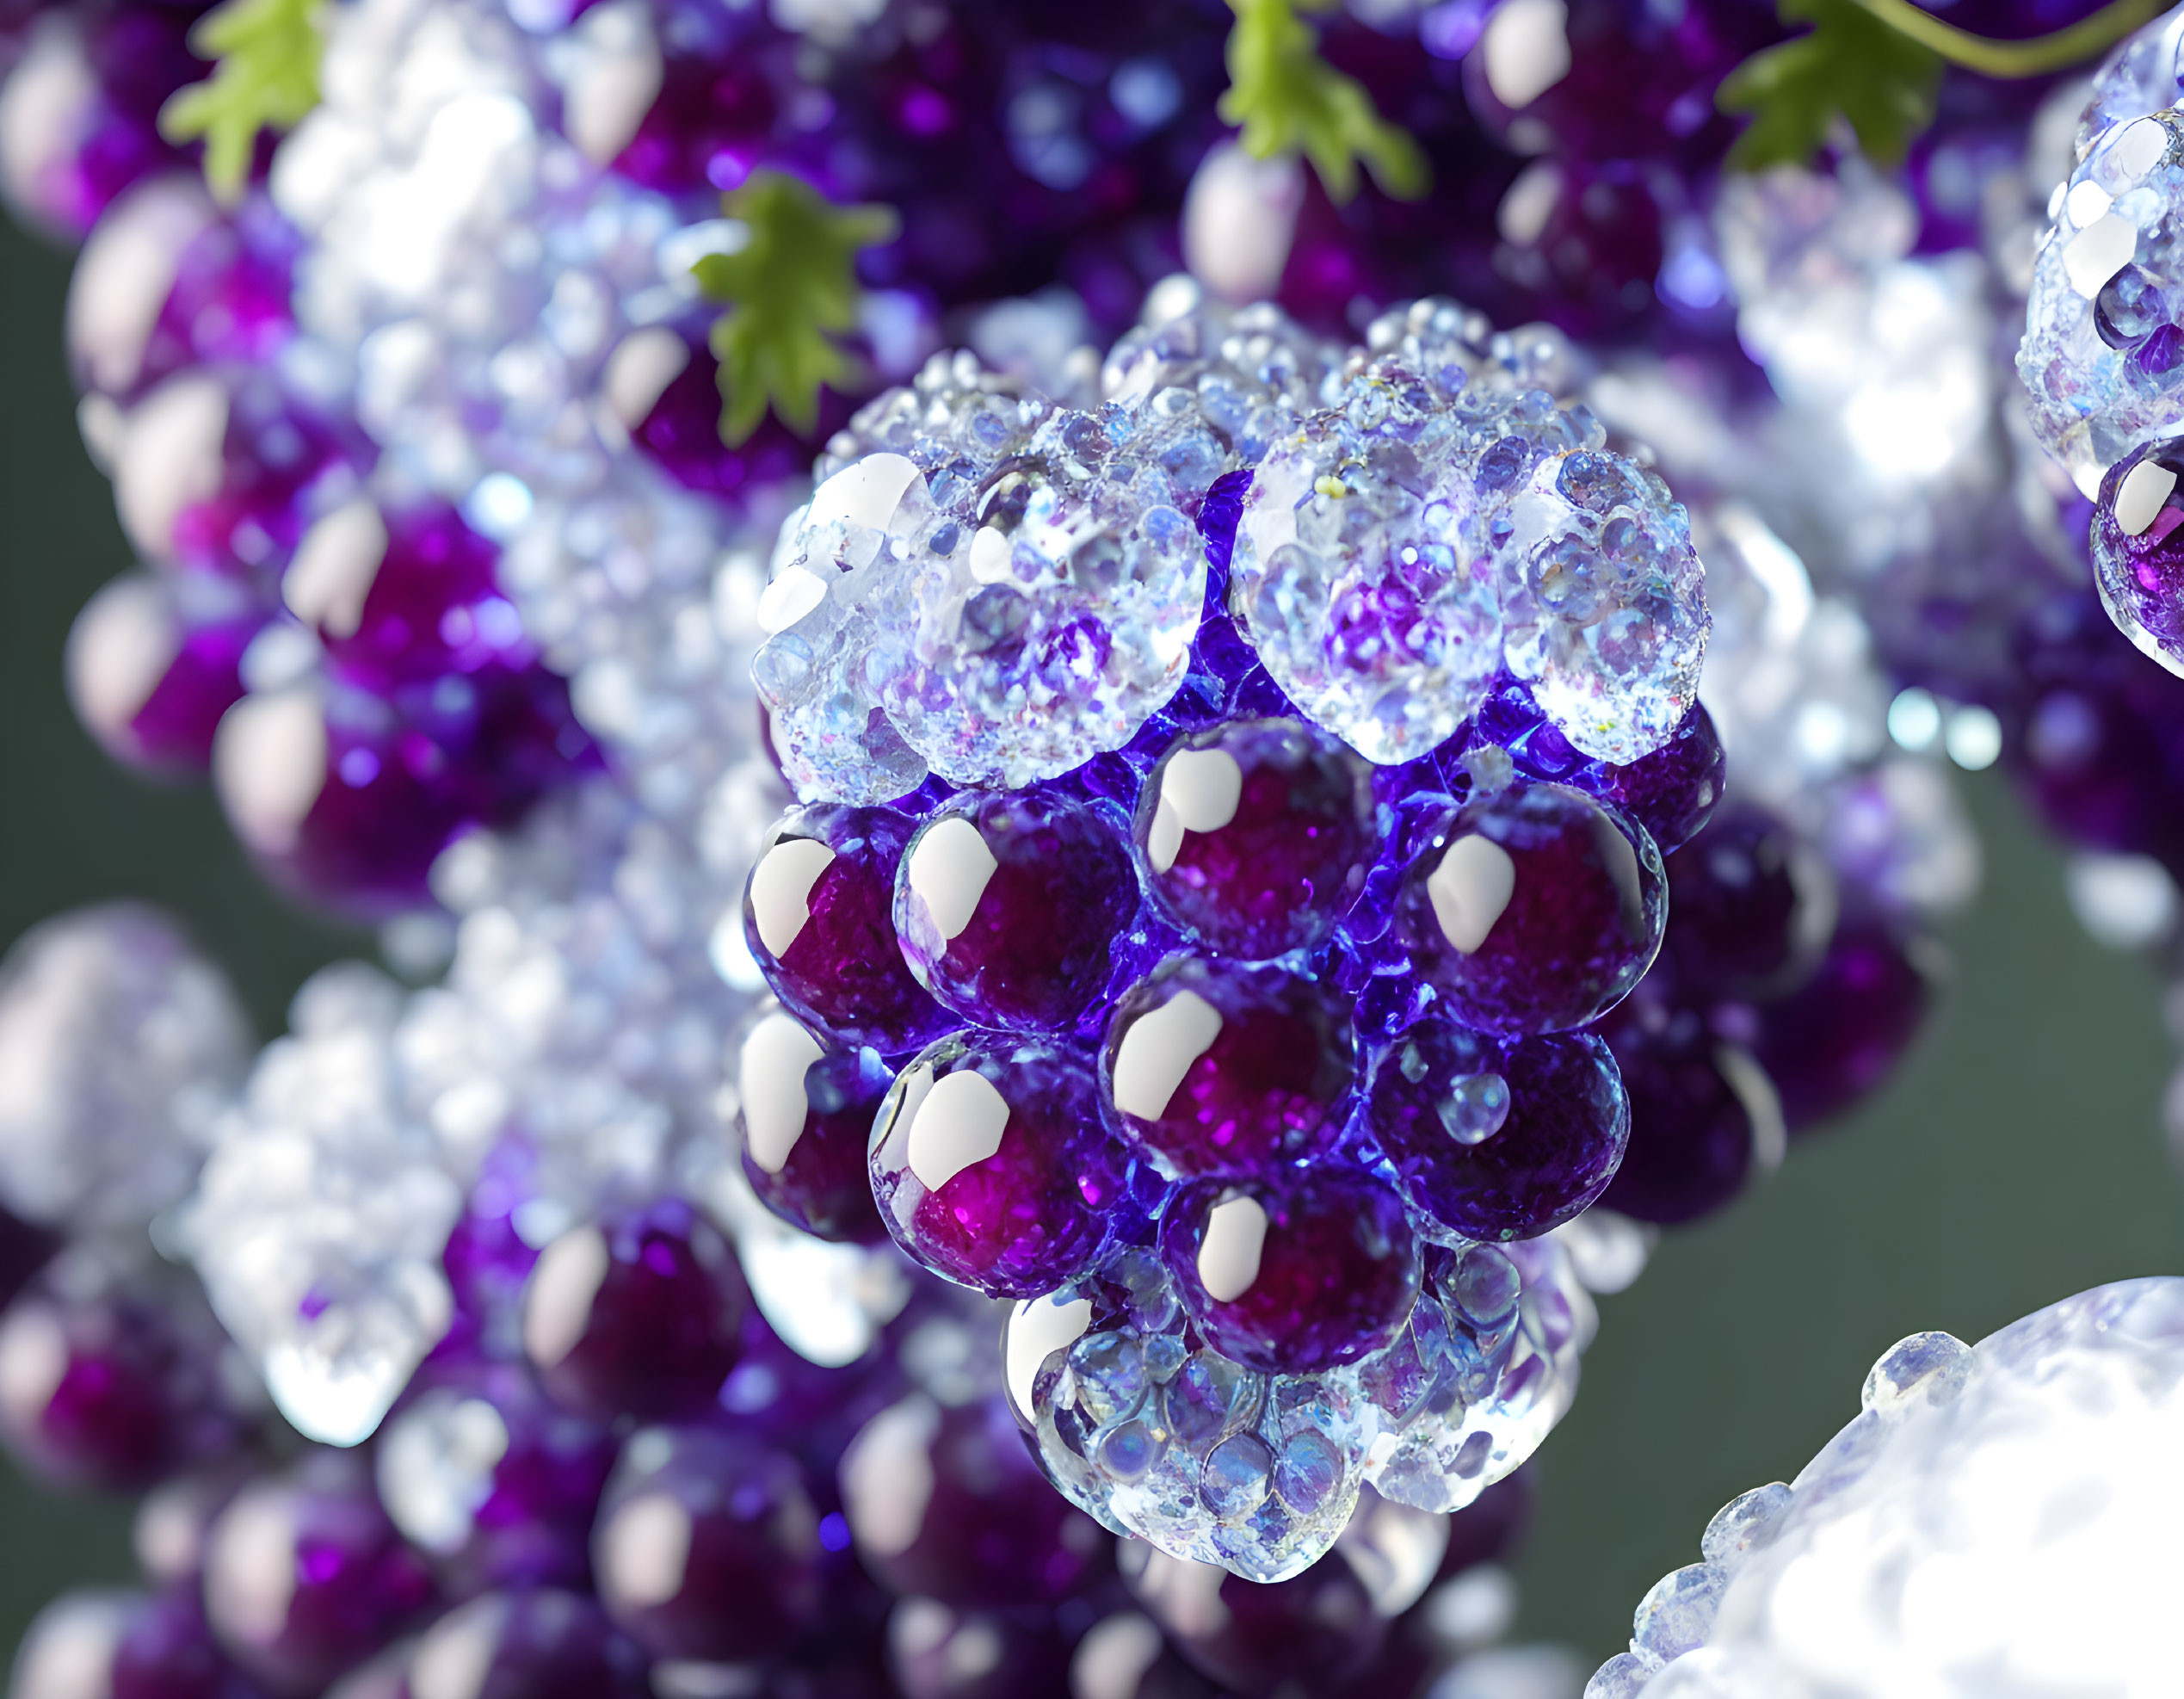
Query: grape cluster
<point>1229,1052</point>
<point>610,1475</point>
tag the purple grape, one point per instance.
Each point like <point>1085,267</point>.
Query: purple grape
<point>1750,907</point>
<point>223,470</point>
<point>491,1480</point>
<point>25,1248</point>
<point>936,1651</point>
<point>1673,792</point>
<point>1837,1037</point>
<point>155,660</point>
<point>667,387</point>
<point>707,1547</point>
<point>1294,1275</point>
<point>347,797</point>
<point>100,74</point>
<point>1257,835</point>
<point>804,1118</point>
<point>819,917</point>
<point>1008,905</point>
<point>167,282</point>
<point>1307,1633</point>
<point>1533,908</point>
<point>1498,1138</point>
<point>945,1503</point>
<point>543,1644</point>
<point>641,1315</point>
<point>1217,1070</point>
<point>994,1165</point>
<point>305,1577</point>
<point>167,1652</point>
<point>175,1518</point>
<point>115,1389</point>
<point>1694,1135</point>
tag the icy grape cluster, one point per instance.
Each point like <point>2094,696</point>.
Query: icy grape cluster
<point>1238,1049</point>
<point>1979,1528</point>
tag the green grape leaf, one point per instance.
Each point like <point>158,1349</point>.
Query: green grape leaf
<point>270,52</point>
<point>1849,64</point>
<point>790,290</point>
<point>1288,100</point>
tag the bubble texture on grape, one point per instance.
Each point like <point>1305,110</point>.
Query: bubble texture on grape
<point>1978,1528</point>
<point>2136,563</point>
<point>998,616</point>
<point>1158,1436</point>
<point>2103,353</point>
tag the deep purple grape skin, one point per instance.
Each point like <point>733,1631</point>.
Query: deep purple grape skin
<point>935,1651</point>
<point>945,1503</point>
<point>25,1248</point>
<point>114,1390</point>
<point>154,660</point>
<point>1293,1276</point>
<point>804,1119</point>
<point>1008,1180</point>
<point>1257,835</point>
<point>641,1315</point>
<point>305,1577</point>
<point>1673,792</point>
<point>1217,1070</point>
<point>541,1644</point>
<point>818,914</point>
<point>1008,905</point>
<point>1497,1139</point>
<point>1305,1633</point>
<point>1694,1134</point>
<point>707,1546</point>
<point>1533,908</point>
<point>1750,907</point>
<point>1837,1038</point>
<point>520,1520</point>
<point>347,796</point>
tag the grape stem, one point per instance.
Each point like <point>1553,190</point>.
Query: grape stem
<point>2036,56</point>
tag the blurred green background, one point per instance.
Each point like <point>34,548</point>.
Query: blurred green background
<point>2016,1159</point>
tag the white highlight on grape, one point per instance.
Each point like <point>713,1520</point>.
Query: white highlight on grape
<point>1525,50</point>
<point>455,1656</point>
<point>118,649</point>
<point>557,1306</point>
<point>646,1551</point>
<point>1200,790</point>
<point>2099,251</point>
<point>616,77</point>
<point>124,274</point>
<point>170,457</point>
<point>1762,1105</point>
<point>1973,739</point>
<point>956,1124</point>
<point>1240,221</point>
<point>69,1652</point>
<point>33,1356</point>
<point>1111,1660</point>
<point>989,560</point>
<point>1038,1327</point>
<point>949,867</point>
<point>770,1084</point>
<point>2140,496</point>
<point>335,567</point>
<point>2087,203</point>
<point>865,493</point>
<point>1158,1050</point>
<point>1394,1550</point>
<point>2136,149</point>
<point>269,765</point>
<point>780,889</point>
<point>251,1567</point>
<point>47,104</point>
<point>1469,889</point>
<point>887,1476</point>
<point>789,598</point>
<point>1914,719</point>
<point>1528,203</point>
<point>638,371</point>
<point>434,1467</point>
<point>1228,1257</point>
<point>2125,902</point>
